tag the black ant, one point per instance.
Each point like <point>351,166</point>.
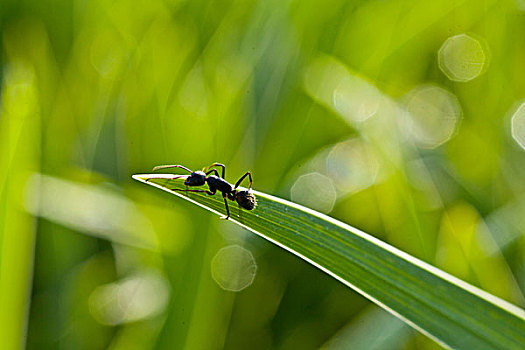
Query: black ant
<point>244,198</point>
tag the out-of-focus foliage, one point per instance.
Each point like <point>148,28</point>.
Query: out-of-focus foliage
<point>400,118</point>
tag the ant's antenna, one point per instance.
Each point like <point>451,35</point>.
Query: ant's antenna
<point>171,166</point>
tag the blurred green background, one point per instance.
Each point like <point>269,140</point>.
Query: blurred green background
<point>400,117</point>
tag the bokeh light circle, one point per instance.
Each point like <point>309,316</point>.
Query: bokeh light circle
<point>432,116</point>
<point>461,58</point>
<point>518,125</point>
<point>314,190</point>
<point>352,166</point>
<point>233,268</point>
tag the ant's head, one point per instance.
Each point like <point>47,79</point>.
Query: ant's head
<point>246,199</point>
<point>197,178</point>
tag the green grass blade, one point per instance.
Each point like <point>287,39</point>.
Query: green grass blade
<point>449,310</point>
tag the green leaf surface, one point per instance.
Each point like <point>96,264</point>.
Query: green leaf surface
<point>452,312</point>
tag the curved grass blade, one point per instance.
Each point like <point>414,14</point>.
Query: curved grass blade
<point>452,312</point>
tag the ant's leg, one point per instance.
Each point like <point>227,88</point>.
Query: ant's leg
<point>198,191</point>
<point>171,166</point>
<point>242,178</point>
<point>227,208</point>
<point>163,177</point>
<point>219,165</point>
<point>213,171</point>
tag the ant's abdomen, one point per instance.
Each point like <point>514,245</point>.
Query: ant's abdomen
<point>246,200</point>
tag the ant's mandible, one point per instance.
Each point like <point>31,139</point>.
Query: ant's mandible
<point>244,198</point>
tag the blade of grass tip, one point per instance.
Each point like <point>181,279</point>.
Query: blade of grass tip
<point>452,312</point>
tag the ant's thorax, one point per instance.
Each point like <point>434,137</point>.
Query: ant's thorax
<point>219,184</point>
